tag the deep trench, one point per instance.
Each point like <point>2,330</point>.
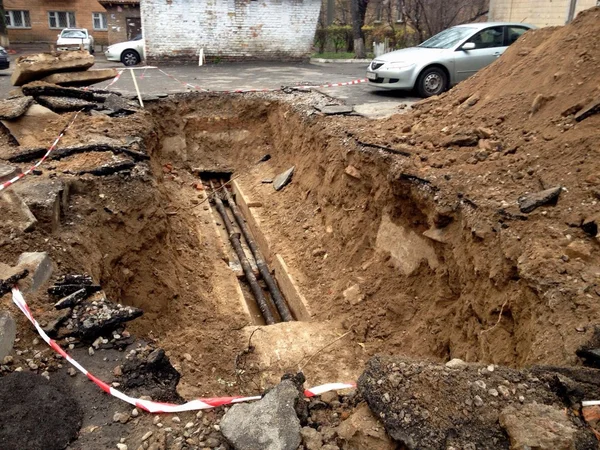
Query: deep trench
<point>417,296</point>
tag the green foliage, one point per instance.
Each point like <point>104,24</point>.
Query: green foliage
<point>334,38</point>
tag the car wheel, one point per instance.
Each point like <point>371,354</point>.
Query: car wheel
<point>432,81</point>
<point>130,58</point>
<point>92,50</point>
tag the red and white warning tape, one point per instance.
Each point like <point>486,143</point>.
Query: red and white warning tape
<point>52,147</point>
<point>147,405</point>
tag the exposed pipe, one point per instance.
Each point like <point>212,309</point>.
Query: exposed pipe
<point>234,238</point>
<point>282,307</point>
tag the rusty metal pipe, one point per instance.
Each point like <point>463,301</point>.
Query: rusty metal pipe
<point>234,238</point>
<point>276,295</point>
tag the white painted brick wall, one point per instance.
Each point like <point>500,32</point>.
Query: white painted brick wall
<point>537,12</point>
<point>229,29</point>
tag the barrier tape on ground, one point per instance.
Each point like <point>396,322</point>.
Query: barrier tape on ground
<point>115,79</point>
<point>147,405</point>
<point>52,147</point>
<point>244,91</point>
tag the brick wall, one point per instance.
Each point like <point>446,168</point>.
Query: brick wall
<point>537,12</point>
<point>229,29</point>
<point>40,30</point>
<point>117,21</point>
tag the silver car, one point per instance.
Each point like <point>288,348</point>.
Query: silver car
<point>444,59</point>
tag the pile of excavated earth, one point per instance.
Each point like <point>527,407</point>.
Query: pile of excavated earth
<point>445,260</point>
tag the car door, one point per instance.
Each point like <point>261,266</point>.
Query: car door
<point>489,45</point>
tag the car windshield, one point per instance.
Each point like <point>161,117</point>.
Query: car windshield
<point>73,34</point>
<point>448,38</point>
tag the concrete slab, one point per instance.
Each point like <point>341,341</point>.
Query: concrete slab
<point>290,290</point>
<point>37,66</point>
<point>85,78</point>
<point>25,128</point>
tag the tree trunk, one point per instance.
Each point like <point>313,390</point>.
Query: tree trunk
<point>358,9</point>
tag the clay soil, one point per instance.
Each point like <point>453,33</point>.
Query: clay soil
<point>493,285</point>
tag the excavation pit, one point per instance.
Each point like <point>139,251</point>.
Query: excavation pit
<point>371,257</point>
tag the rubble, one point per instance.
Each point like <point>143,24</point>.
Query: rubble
<point>24,129</point>
<point>65,104</point>
<point>34,67</point>
<point>461,408</point>
<point>16,215</point>
<point>283,179</point>
<point>151,374</point>
<point>530,202</point>
<point>39,265</point>
<point>270,423</point>
<point>8,172</point>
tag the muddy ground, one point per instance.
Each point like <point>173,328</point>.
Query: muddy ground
<point>406,236</point>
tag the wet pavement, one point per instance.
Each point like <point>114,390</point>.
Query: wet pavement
<point>367,99</point>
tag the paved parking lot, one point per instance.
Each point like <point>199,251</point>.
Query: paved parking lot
<point>230,76</point>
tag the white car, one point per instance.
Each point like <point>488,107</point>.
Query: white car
<point>70,38</point>
<point>129,53</point>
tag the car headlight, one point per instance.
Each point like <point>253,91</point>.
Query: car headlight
<point>399,65</point>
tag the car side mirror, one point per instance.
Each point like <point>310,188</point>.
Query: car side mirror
<point>468,46</point>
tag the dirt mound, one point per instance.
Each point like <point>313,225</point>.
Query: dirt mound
<point>506,134</point>
<point>36,414</point>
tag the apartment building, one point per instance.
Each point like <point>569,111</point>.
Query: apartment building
<point>42,20</point>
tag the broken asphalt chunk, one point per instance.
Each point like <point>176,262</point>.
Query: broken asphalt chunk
<point>530,202</point>
<point>64,290</point>
<point>283,179</point>
<point>14,107</point>
<point>71,300</point>
<point>84,280</point>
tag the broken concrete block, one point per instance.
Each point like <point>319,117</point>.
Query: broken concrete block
<point>43,197</point>
<point>65,104</point>
<point>86,78</point>
<point>8,333</point>
<point>40,267</point>
<point>283,179</point>
<point>14,107</point>
<point>530,202</point>
<point>437,234</point>
<point>37,66</point>
<point>8,172</point>
<point>116,104</point>
<point>15,213</point>
<point>269,424</point>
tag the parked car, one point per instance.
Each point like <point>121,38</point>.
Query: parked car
<point>71,38</point>
<point>444,59</point>
<point>129,53</point>
<point>4,59</point>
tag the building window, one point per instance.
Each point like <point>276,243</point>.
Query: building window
<point>99,20</point>
<point>17,19</point>
<point>61,19</point>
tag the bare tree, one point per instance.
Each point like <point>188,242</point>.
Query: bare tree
<point>358,9</point>
<point>429,17</point>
